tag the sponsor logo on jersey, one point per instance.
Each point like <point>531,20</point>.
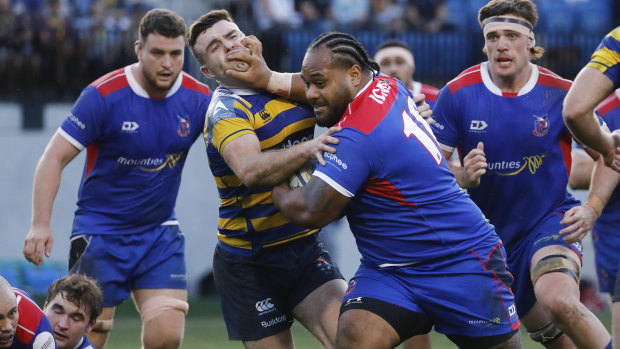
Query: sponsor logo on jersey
<point>380,92</point>
<point>438,125</point>
<point>511,168</point>
<point>351,286</point>
<point>183,129</point>
<point>354,300</point>
<point>334,158</point>
<point>152,164</point>
<point>74,119</point>
<point>289,144</point>
<point>274,321</point>
<point>265,306</point>
<point>322,264</point>
<point>264,114</point>
<point>512,310</point>
<point>484,322</point>
<point>477,126</point>
<point>541,125</point>
<point>129,127</point>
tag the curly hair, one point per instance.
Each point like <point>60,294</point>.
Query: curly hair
<point>80,290</point>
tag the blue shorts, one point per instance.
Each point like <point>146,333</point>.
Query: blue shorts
<point>606,258</point>
<point>467,295</point>
<point>121,263</point>
<point>546,233</point>
<point>258,293</point>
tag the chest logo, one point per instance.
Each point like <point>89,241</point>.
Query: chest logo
<point>129,126</point>
<point>478,125</point>
<point>541,125</point>
<point>183,129</point>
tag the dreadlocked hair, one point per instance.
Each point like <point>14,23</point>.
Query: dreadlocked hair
<point>346,50</point>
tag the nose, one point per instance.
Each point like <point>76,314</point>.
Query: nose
<point>167,62</point>
<point>5,325</point>
<point>62,322</point>
<point>312,93</point>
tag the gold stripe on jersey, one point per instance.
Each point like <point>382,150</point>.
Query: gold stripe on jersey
<point>248,201</point>
<point>287,131</point>
<point>248,245</point>
<point>291,238</point>
<point>615,34</point>
<point>603,59</point>
<point>227,130</point>
<point>234,242</point>
<point>272,109</point>
<point>273,221</point>
<point>229,181</point>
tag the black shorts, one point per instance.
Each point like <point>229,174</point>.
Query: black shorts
<point>258,293</point>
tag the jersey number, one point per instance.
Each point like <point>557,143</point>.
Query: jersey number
<point>410,127</point>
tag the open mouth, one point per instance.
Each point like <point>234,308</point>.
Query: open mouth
<point>6,340</point>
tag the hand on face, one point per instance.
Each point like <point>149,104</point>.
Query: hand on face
<point>250,66</point>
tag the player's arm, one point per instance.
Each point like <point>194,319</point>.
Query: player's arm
<point>259,77</point>
<point>312,206</point>
<point>589,89</point>
<point>58,153</point>
<point>581,218</point>
<point>474,166</point>
<point>581,170</point>
<point>258,168</point>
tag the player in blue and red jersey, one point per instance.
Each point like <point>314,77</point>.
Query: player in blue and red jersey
<point>504,117</point>
<point>22,323</point>
<point>137,124</point>
<point>423,246</point>
<point>268,271</point>
<point>395,59</point>
<point>72,306</point>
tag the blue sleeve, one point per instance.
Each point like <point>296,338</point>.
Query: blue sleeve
<point>84,123</point>
<point>44,336</point>
<point>446,118</point>
<point>350,167</point>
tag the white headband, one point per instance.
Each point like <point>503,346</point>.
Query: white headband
<point>508,23</point>
<point>394,51</point>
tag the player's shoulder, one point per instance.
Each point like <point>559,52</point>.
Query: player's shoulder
<point>367,110</point>
<point>469,76</point>
<point>430,92</point>
<point>111,82</point>
<point>548,78</point>
<point>224,104</point>
<point>190,83</point>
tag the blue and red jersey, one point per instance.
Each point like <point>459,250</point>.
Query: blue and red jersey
<point>33,329</point>
<point>526,144</point>
<point>406,206</point>
<point>136,148</point>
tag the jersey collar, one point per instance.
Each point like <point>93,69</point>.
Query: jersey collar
<point>488,83</point>
<point>137,89</point>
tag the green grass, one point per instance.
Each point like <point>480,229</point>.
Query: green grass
<point>205,329</point>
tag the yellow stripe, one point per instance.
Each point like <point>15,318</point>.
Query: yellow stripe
<point>229,181</point>
<point>287,131</point>
<point>237,104</point>
<point>615,34</point>
<point>597,66</point>
<point>605,56</point>
<point>248,201</point>
<point>235,242</point>
<point>237,223</point>
<point>273,221</point>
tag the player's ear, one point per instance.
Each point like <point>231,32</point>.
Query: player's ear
<point>205,71</point>
<point>355,74</point>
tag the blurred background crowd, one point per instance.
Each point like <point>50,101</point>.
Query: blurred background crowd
<point>51,49</point>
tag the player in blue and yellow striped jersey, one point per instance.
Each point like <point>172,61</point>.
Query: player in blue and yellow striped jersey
<point>268,270</point>
<point>595,82</point>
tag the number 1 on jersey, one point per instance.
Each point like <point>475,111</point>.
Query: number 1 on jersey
<point>410,127</point>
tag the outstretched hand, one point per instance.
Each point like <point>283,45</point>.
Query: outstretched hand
<point>253,69</point>
<point>580,220</point>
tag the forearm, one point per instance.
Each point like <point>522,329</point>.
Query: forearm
<point>586,128</point>
<point>604,181</point>
<point>459,172</point>
<point>293,206</point>
<point>46,183</point>
<point>272,167</point>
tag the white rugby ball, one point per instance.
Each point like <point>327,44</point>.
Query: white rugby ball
<point>302,176</point>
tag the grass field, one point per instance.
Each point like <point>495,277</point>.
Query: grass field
<point>205,329</point>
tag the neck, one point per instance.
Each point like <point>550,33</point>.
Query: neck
<point>136,70</point>
<point>365,78</point>
<point>513,83</point>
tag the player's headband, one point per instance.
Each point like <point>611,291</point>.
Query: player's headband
<point>508,23</point>
<point>394,51</point>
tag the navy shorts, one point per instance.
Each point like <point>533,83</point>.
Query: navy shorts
<point>606,258</point>
<point>121,263</point>
<point>546,233</point>
<point>466,295</point>
<point>258,293</point>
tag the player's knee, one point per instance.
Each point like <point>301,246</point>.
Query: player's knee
<point>556,263</point>
<point>103,326</point>
<point>156,306</point>
<point>546,334</point>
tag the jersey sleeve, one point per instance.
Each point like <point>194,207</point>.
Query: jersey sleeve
<point>44,336</point>
<point>228,119</point>
<point>446,118</point>
<point>348,169</point>
<point>606,58</point>
<point>83,124</point>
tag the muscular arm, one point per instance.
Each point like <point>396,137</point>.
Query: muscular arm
<point>313,206</point>
<point>589,89</point>
<point>256,168</point>
<point>58,153</point>
<point>581,170</point>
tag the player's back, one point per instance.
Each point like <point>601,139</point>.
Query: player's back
<point>409,206</point>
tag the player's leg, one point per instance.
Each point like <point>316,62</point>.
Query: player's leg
<point>99,333</point>
<point>163,316</point>
<point>555,274</point>
<point>538,323</point>
<point>422,341</point>
<point>318,312</point>
<point>359,329</point>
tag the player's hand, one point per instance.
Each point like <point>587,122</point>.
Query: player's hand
<point>253,70</point>
<point>39,241</point>
<point>316,147</point>
<point>612,158</point>
<point>580,220</point>
<point>474,166</point>
<point>423,108</point>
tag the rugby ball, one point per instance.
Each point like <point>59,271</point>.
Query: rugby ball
<point>302,176</point>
